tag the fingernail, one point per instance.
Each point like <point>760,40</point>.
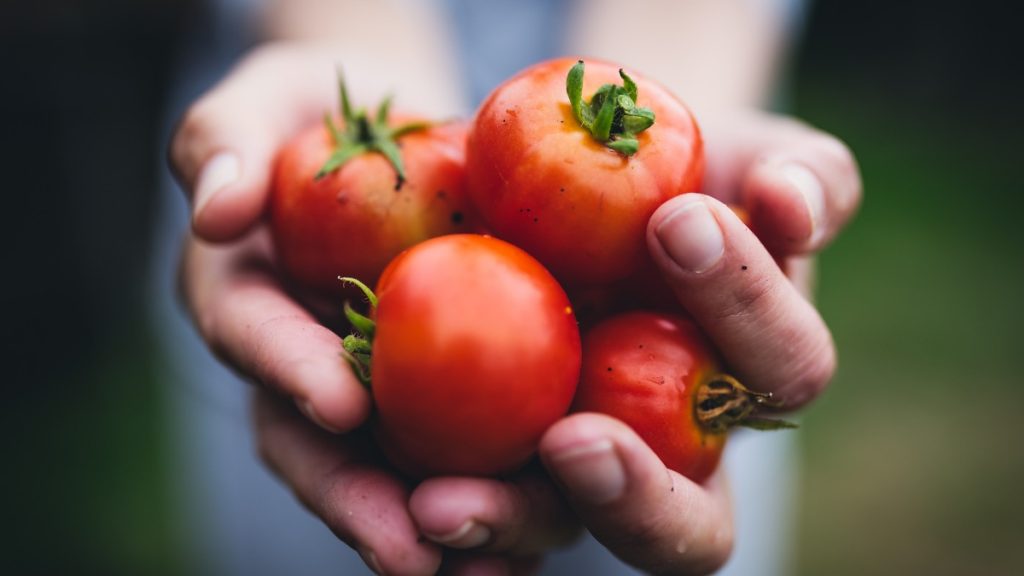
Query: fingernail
<point>592,472</point>
<point>691,236</point>
<point>370,559</point>
<point>809,186</point>
<point>470,535</point>
<point>306,407</point>
<point>219,171</point>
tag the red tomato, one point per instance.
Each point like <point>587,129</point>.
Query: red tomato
<point>354,220</point>
<point>658,374</point>
<point>542,181</point>
<point>476,353</point>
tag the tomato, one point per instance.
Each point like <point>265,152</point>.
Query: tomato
<point>475,353</point>
<point>658,374</point>
<point>353,217</point>
<point>576,200</point>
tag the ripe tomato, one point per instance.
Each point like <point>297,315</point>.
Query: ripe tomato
<point>542,180</point>
<point>658,374</point>
<point>476,352</point>
<point>350,218</point>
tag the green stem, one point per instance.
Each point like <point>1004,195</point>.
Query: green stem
<point>611,116</point>
<point>361,135</point>
<point>357,348</point>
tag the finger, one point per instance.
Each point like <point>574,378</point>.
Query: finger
<point>525,515</point>
<point>363,505</point>
<point>647,515</point>
<point>769,334</point>
<point>799,196</point>
<point>800,186</point>
<point>249,322</point>
<point>223,149</point>
<point>473,564</point>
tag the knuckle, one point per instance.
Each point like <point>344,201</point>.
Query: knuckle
<point>810,374</point>
<point>207,318</point>
<point>840,160</point>
<point>754,298</point>
<point>834,149</point>
<point>197,123</point>
<point>717,553</point>
<point>265,343</point>
<point>640,534</point>
<point>337,495</point>
<point>194,131</point>
<point>266,445</point>
<point>278,53</point>
<point>268,432</point>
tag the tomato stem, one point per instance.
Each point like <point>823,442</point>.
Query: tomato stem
<point>360,135</point>
<point>722,403</point>
<point>611,116</point>
<point>357,348</point>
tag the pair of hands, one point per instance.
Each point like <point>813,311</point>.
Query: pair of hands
<point>799,186</point>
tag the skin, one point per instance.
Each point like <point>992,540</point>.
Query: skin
<point>235,296</point>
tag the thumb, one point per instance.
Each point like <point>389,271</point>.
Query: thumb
<point>223,150</point>
<point>647,515</point>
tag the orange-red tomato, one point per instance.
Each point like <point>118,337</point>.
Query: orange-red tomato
<point>648,370</point>
<point>354,220</point>
<point>541,181</point>
<point>476,353</point>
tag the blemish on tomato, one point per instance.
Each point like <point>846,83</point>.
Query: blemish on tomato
<point>456,217</point>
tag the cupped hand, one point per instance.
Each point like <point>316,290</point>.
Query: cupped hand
<point>799,188</point>
<point>222,154</point>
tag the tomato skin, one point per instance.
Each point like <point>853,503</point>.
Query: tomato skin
<point>353,221</point>
<point>645,369</point>
<point>542,182</point>
<point>476,354</point>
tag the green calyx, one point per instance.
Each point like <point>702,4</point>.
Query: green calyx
<point>357,347</point>
<point>611,116</point>
<point>361,135</point>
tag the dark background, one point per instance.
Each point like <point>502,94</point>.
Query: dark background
<point>913,463</point>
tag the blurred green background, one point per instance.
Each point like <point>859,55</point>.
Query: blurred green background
<point>912,461</point>
<point>913,464</point>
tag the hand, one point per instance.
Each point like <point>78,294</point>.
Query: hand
<point>799,187</point>
<point>222,153</point>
